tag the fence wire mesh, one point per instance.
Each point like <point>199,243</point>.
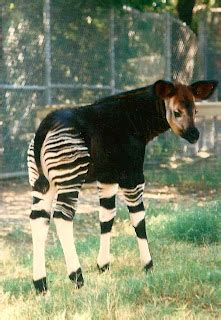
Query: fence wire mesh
<point>72,53</point>
<point>184,51</point>
<point>213,46</point>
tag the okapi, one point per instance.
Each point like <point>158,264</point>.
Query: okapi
<point>103,142</point>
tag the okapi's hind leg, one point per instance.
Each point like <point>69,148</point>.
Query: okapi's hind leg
<point>39,219</point>
<point>107,194</point>
<point>67,159</point>
<point>64,212</point>
<point>134,200</point>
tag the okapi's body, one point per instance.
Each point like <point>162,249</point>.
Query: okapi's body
<point>103,142</point>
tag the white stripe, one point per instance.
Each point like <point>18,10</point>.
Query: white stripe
<point>63,137</point>
<point>76,144</point>
<point>104,251</point>
<point>37,194</point>
<point>66,212</point>
<point>65,160</point>
<point>68,189</point>
<point>56,175</point>
<point>133,191</point>
<point>61,153</point>
<point>39,229</point>
<point>31,161</point>
<point>71,206</point>
<point>106,214</point>
<point>137,217</point>
<point>107,190</point>
<point>134,202</point>
<point>56,131</point>
<point>65,234</point>
<point>71,187</point>
<point>145,256</point>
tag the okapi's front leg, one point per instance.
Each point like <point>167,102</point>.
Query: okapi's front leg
<point>107,195</point>
<point>134,199</point>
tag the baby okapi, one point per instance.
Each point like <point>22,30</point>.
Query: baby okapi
<point>103,142</point>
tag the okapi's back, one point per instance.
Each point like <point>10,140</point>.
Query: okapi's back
<point>115,131</point>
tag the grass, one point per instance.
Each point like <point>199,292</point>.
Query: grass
<point>197,225</point>
<point>185,283</point>
<point>203,174</point>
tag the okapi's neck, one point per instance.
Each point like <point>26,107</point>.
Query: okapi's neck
<point>139,112</point>
<point>147,116</point>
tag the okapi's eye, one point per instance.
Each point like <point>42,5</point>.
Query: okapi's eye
<point>177,114</point>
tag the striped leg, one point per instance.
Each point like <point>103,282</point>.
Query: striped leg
<point>134,200</point>
<point>39,219</point>
<point>66,159</point>
<point>107,194</point>
<point>63,215</point>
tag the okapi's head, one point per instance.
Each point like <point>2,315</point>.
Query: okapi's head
<point>180,105</point>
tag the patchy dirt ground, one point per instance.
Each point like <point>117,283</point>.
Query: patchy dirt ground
<point>15,201</point>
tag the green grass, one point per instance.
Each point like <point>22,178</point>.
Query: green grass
<point>185,282</point>
<point>197,225</point>
<point>203,174</point>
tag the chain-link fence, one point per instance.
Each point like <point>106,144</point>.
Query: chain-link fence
<point>210,42</point>
<point>72,53</point>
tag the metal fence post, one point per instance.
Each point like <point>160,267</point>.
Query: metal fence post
<point>168,48</point>
<point>1,44</point>
<point>202,35</point>
<point>1,80</point>
<point>112,52</point>
<point>47,35</point>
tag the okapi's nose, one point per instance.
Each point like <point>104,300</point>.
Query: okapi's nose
<point>192,134</point>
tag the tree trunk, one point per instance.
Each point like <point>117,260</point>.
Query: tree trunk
<point>185,10</point>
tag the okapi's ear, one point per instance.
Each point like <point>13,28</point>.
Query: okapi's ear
<point>203,89</point>
<point>164,89</point>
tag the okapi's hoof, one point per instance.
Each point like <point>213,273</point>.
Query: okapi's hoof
<point>77,278</point>
<point>148,266</point>
<point>41,286</point>
<point>106,267</point>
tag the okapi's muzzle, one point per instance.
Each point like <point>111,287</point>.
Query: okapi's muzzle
<point>191,135</point>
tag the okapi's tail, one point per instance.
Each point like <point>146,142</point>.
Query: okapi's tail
<point>51,122</point>
<point>41,184</point>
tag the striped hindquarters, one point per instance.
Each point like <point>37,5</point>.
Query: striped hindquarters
<point>32,168</point>
<point>64,158</point>
<point>64,163</point>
